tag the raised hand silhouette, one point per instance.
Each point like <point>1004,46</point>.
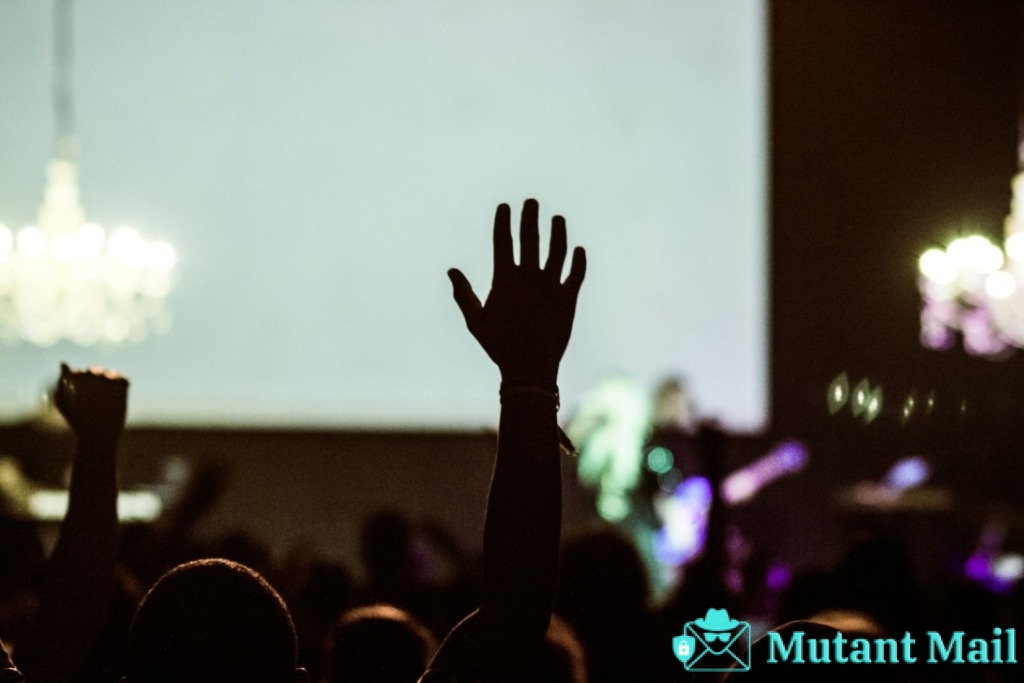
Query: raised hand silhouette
<point>80,572</point>
<point>525,324</point>
<point>94,402</point>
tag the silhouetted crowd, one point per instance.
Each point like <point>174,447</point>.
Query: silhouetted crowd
<point>153,604</point>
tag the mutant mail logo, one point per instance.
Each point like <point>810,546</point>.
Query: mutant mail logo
<point>715,643</point>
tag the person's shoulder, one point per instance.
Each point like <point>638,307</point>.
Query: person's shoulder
<point>8,672</point>
<point>11,675</point>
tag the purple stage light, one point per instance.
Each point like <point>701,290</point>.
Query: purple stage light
<point>778,578</point>
<point>907,473</point>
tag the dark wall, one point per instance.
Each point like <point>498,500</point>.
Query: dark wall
<point>290,488</point>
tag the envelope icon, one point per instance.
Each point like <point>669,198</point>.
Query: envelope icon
<point>733,655</point>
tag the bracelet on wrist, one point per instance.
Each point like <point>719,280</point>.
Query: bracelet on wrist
<point>512,388</point>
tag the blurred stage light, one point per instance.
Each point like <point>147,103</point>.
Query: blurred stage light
<point>907,473</point>
<point>908,408</point>
<point>50,505</point>
<point>1008,567</point>
<point>778,578</point>
<point>873,405</point>
<point>65,278</point>
<point>660,460</point>
<point>684,531</point>
<point>684,512</point>
<point>866,401</point>
<point>787,457</point>
<point>973,287</point>
<point>861,394</point>
<point>838,393</point>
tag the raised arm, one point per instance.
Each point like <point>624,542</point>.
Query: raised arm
<point>80,571</point>
<point>524,326</point>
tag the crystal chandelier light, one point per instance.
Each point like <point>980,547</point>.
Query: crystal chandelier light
<point>65,278</point>
<point>977,288</point>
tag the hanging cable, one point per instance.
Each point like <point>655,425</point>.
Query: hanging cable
<point>63,96</point>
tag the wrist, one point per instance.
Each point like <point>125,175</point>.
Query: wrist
<point>544,374</point>
<point>530,389</point>
<point>99,440</point>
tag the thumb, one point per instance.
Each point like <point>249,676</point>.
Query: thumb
<point>466,299</point>
<point>64,392</point>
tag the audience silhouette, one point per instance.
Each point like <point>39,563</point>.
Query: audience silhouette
<point>213,620</point>
<point>530,609</point>
<point>377,644</point>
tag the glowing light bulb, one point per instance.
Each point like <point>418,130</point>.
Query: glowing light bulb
<point>91,239</point>
<point>160,257</point>
<point>1015,246</point>
<point>959,252</point>
<point>116,330</point>
<point>127,246</point>
<point>65,247</point>
<point>989,259</point>
<point>63,277</point>
<point>1000,285</point>
<point>979,255</point>
<point>937,266</point>
<point>32,242</point>
<point>973,252</point>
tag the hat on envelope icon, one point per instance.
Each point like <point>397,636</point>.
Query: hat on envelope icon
<point>716,620</point>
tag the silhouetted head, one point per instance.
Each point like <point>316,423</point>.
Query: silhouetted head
<point>561,659</point>
<point>377,644</point>
<point>8,672</point>
<point>212,621</point>
<point>23,561</point>
<point>602,579</point>
<point>875,576</point>
<point>602,594</point>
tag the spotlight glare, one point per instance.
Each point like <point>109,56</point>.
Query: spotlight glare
<point>838,393</point>
<point>860,397</point>
<point>1000,285</point>
<point>937,266</point>
<point>1015,246</point>
<point>873,406</point>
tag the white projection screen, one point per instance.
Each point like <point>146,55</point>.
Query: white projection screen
<point>320,164</point>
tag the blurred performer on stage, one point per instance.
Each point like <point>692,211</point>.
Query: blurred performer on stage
<point>634,453</point>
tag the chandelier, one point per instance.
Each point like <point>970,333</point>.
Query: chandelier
<point>65,278</point>
<point>976,288</point>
